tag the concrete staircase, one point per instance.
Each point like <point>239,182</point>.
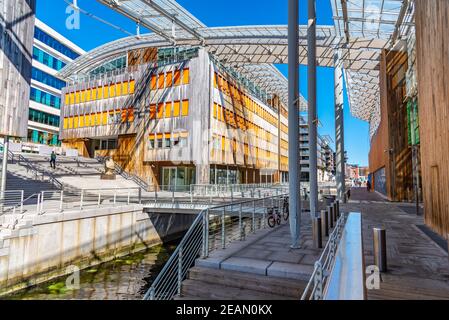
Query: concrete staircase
<point>217,284</point>
<point>73,173</point>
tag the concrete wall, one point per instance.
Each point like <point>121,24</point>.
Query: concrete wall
<point>16,42</point>
<point>34,249</point>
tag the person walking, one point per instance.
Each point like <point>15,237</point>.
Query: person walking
<point>53,160</point>
<point>368,186</point>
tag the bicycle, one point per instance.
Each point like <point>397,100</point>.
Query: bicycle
<point>274,216</point>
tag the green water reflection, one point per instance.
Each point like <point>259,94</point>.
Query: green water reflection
<point>122,279</point>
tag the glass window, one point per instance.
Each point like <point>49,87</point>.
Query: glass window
<point>159,143</point>
<point>47,79</point>
<point>45,58</point>
<point>167,142</point>
<point>186,76</point>
<point>55,44</point>
<point>45,98</point>
<point>151,144</point>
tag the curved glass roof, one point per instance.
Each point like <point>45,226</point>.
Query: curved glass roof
<point>362,28</point>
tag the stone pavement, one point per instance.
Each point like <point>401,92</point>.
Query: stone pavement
<point>418,267</point>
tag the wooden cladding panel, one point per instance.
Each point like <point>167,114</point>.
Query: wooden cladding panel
<point>432,49</point>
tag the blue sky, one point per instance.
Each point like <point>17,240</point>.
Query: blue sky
<point>222,13</point>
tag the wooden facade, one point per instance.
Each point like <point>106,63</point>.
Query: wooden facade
<point>183,114</point>
<point>432,50</point>
<point>390,152</point>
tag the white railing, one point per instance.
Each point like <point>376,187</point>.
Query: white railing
<point>60,200</point>
<point>11,200</point>
<point>214,227</point>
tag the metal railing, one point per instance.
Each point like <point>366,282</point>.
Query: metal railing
<point>61,200</point>
<point>323,266</point>
<point>347,278</point>
<point>11,200</point>
<point>214,227</point>
<point>128,176</point>
<point>21,160</point>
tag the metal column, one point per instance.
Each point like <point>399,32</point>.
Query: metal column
<point>4,165</point>
<point>312,113</point>
<point>339,129</point>
<point>293,121</point>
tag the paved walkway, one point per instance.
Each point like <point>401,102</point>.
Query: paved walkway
<point>418,267</point>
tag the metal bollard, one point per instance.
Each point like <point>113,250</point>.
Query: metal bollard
<point>329,217</point>
<point>334,210</point>
<point>317,236</point>
<point>380,248</point>
<point>324,224</point>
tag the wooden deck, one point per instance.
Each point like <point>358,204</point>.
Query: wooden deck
<point>418,268</point>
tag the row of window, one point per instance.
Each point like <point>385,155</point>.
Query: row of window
<point>47,59</point>
<point>100,119</point>
<point>170,79</point>
<point>47,79</point>
<point>45,98</point>
<point>229,117</point>
<point>231,145</point>
<point>43,117</point>
<point>98,93</point>
<point>42,137</point>
<point>169,109</point>
<point>168,140</point>
<point>241,98</point>
<point>55,44</point>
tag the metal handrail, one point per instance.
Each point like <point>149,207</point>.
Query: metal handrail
<point>36,171</point>
<point>315,287</point>
<point>128,176</point>
<point>196,241</point>
<point>10,153</point>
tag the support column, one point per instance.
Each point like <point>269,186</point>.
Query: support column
<point>312,113</point>
<point>339,129</point>
<point>293,121</point>
<point>4,165</point>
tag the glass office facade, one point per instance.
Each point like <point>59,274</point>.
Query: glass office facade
<point>46,98</point>
<point>43,117</point>
<point>55,44</point>
<point>47,79</point>
<point>47,59</point>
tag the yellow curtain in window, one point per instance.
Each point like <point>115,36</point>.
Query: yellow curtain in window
<point>168,107</point>
<point>105,92</point>
<point>186,76</point>
<point>160,81</point>
<point>153,82</point>
<point>160,110</point>
<point>125,87</point>
<point>177,77</point>
<point>132,84</point>
<point>176,109</point>
<point>185,108</point>
<point>169,79</point>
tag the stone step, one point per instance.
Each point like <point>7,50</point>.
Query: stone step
<point>209,291</point>
<point>270,285</point>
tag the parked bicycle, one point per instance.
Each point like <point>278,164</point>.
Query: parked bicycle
<point>275,216</point>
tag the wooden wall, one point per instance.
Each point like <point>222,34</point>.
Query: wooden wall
<point>432,46</point>
<point>378,158</point>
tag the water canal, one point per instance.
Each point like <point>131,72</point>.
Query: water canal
<point>126,278</point>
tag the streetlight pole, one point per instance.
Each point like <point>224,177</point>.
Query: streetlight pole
<point>339,129</point>
<point>293,121</point>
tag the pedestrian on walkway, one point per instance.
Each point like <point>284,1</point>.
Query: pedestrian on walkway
<point>368,186</point>
<point>53,160</point>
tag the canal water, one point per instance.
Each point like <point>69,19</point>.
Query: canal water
<point>126,278</point>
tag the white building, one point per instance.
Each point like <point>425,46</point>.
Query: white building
<point>51,52</point>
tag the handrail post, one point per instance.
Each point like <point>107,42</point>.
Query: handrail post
<point>140,195</point>
<point>99,198</point>
<point>206,234</point>
<point>223,227</point>
<point>38,203</point>
<point>180,270</point>
<point>240,221</point>
<point>232,194</point>
<point>129,194</point>
<point>324,224</point>
<point>61,201</point>
<point>81,199</point>
<point>115,197</point>
<point>21,202</point>
<point>253,218</point>
<point>42,202</point>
